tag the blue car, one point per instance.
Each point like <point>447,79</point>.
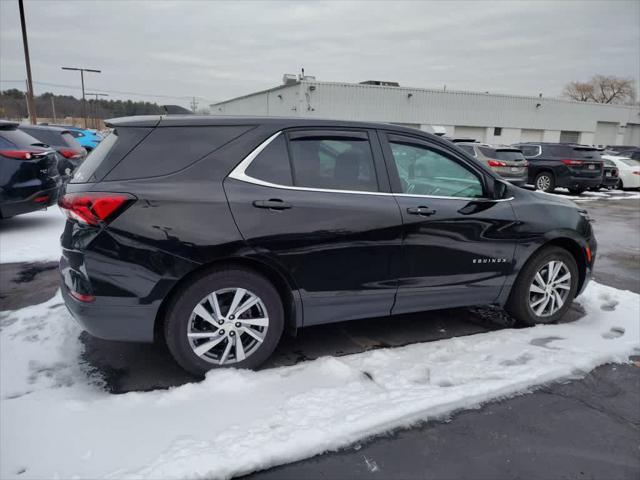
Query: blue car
<point>89,139</point>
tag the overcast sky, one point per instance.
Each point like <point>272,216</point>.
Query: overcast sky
<point>217,50</point>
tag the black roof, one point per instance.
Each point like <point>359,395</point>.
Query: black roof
<point>284,122</point>
<point>6,125</point>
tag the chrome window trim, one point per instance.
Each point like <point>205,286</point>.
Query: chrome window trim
<point>239,173</point>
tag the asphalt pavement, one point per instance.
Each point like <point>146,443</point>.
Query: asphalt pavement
<point>588,428</point>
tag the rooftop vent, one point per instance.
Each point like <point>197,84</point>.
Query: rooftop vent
<point>380,82</point>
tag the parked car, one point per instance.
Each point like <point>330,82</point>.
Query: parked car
<point>628,151</point>
<point>508,162</point>
<point>216,234</point>
<point>70,153</point>
<point>610,175</point>
<point>551,165</point>
<point>628,170</point>
<point>87,138</point>
<point>29,178</point>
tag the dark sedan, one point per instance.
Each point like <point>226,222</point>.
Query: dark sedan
<point>29,178</point>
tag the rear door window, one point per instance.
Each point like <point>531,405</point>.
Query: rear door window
<point>335,160</point>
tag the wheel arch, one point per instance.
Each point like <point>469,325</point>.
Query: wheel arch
<point>574,248</point>
<point>285,287</point>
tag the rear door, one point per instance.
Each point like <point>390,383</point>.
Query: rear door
<point>456,247</point>
<point>316,203</point>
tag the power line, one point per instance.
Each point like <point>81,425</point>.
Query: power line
<point>121,92</point>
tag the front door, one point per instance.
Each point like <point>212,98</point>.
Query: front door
<point>317,204</point>
<point>456,247</point>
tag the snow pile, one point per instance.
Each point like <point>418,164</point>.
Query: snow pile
<point>235,422</point>
<point>32,237</point>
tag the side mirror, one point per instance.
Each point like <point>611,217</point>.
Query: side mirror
<point>498,189</point>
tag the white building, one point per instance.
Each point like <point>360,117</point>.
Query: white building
<point>492,118</point>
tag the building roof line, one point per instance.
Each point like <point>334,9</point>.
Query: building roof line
<point>425,90</point>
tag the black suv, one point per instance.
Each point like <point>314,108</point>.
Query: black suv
<point>216,234</point>
<point>29,177</point>
<point>551,165</point>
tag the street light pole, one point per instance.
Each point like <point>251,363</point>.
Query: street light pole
<point>82,70</point>
<point>25,44</point>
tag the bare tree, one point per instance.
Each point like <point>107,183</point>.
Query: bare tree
<point>602,89</point>
<point>580,91</point>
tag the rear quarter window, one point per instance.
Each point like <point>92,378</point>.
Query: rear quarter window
<point>50,137</point>
<point>167,150</point>
<point>108,153</point>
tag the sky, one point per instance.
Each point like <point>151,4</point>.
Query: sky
<point>171,51</point>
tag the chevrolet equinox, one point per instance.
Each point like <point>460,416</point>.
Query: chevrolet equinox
<point>217,234</point>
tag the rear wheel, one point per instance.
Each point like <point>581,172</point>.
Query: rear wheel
<point>545,181</point>
<point>545,287</point>
<point>225,318</point>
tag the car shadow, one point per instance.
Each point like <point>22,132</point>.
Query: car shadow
<point>126,367</point>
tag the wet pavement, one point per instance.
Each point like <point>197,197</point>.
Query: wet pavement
<point>582,429</point>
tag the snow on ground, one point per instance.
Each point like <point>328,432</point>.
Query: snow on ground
<point>57,422</point>
<point>32,237</point>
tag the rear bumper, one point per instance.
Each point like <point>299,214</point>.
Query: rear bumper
<point>30,204</point>
<point>130,323</point>
<point>610,181</point>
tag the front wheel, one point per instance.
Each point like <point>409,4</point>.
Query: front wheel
<point>619,185</point>
<point>545,182</point>
<point>225,318</point>
<point>545,287</point>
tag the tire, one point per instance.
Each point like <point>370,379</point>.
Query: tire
<point>181,318</point>
<point>578,191</point>
<point>545,181</point>
<point>619,185</point>
<point>521,299</point>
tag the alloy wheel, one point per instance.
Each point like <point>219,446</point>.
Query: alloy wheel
<point>543,183</point>
<point>550,288</point>
<point>227,326</point>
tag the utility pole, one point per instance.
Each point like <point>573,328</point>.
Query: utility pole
<point>95,115</point>
<point>194,105</point>
<point>25,44</point>
<point>53,109</point>
<point>84,102</point>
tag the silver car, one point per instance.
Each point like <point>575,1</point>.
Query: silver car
<point>506,161</point>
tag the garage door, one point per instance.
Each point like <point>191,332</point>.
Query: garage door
<point>477,133</point>
<point>606,133</point>
<point>530,135</point>
<point>567,136</point>
<point>632,134</point>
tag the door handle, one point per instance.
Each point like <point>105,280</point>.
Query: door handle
<point>423,211</point>
<point>272,204</point>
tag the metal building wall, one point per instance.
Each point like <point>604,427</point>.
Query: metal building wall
<point>403,105</point>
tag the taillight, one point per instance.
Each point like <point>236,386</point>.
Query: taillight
<point>637,172</point>
<point>496,163</point>
<point>69,153</point>
<point>18,154</point>
<point>94,208</point>
<point>569,161</point>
